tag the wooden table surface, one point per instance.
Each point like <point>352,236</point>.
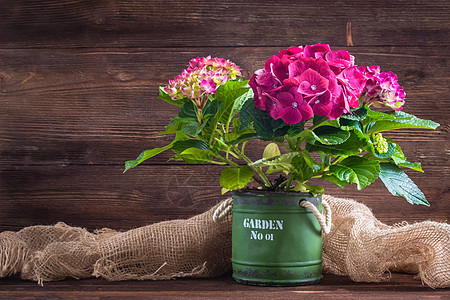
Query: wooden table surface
<point>78,86</point>
<point>400,286</point>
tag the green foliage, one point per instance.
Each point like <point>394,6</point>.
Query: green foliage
<point>152,152</point>
<point>378,122</point>
<point>301,170</point>
<point>235,178</point>
<point>357,170</point>
<point>399,184</point>
<point>348,150</point>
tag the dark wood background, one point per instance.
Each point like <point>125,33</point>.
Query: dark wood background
<point>79,81</point>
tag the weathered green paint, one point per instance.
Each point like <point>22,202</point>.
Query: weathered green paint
<point>275,241</point>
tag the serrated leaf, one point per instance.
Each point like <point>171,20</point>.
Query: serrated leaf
<point>398,120</point>
<point>410,165</point>
<point>351,146</point>
<point>232,94</point>
<point>191,128</point>
<point>283,160</point>
<point>296,129</point>
<point>144,156</point>
<point>180,146</point>
<point>152,152</point>
<point>329,135</point>
<point>301,169</point>
<point>265,126</point>
<point>356,115</point>
<point>235,178</point>
<point>382,116</point>
<point>400,160</point>
<point>194,156</point>
<point>317,120</point>
<point>308,188</point>
<point>244,137</point>
<point>399,184</point>
<point>188,110</point>
<point>246,113</point>
<point>335,180</point>
<point>351,124</point>
<point>357,170</point>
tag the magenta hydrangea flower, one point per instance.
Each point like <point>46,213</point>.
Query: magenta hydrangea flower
<point>201,79</point>
<point>300,82</point>
<point>382,88</point>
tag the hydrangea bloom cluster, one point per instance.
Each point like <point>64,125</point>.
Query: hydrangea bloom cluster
<point>382,88</point>
<point>301,82</point>
<point>201,78</point>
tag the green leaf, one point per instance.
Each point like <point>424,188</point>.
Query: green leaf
<point>235,178</point>
<point>356,115</point>
<point>232,94</point>
<point>329,135</point>
<point>179,146</point>
<point>399,184</point>
<point>296,129</point>
<point>335,180</point>
<point>165,97</point>
<point>301,169</point>
<point>351,124</point>
<point>172,127</point>
<point>265,126</point>
<point>194,156</point>
<point>243,138</point>
<point>246,113</point>
<point>410,165</point>
<point>325,159</point>
<point>310,161</point>
<point>188,110</point>
<point>357,170</point>
<point>400,160</point>
<point>191,128</point>
<point>351,146</point>
<point>398,120</point>
<point>308,188</point>
<point>152,152</point>
<point>381,116</point>
<point>271,150</point>
<point>144,156</point>
<point>283,160</point>
<point>317,120</point>
<point>262,123</point>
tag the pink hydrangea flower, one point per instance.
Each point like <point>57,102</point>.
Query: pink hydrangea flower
<point>300,82</point>
<point>382,88</point>
<point>201,79</point>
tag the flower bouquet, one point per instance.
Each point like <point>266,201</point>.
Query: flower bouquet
<point>315,108</point>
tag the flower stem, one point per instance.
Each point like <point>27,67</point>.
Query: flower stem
<point>258,171</point>
<point>289,182</point>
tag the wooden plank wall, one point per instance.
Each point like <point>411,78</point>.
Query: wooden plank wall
<point>79,81</point>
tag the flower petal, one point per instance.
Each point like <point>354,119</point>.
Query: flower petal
<point>311,83</point>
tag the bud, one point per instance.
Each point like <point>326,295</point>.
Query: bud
<point>380,143</point>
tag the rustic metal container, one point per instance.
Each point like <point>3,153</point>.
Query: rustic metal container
<point>276,242</point>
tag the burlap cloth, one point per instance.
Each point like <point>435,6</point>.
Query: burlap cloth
<point>358,246</point>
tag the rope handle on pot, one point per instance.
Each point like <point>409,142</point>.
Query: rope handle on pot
<point>223,210</point>
<point>325,222</point>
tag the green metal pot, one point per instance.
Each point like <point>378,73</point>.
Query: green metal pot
<point>276,242</point>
